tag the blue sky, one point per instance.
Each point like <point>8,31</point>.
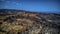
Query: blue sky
<point>32,5</point>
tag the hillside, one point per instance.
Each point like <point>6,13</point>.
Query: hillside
<point>24,22</point>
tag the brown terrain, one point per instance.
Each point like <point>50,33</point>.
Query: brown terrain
<point>18,22</point>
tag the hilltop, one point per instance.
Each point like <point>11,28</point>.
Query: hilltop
<point>25,22</point>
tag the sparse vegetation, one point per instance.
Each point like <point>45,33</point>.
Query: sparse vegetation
<point>28,23</point>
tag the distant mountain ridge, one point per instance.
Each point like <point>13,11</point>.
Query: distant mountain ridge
<point>14,10</point>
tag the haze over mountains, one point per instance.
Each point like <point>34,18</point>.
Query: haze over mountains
<point>15,10</point>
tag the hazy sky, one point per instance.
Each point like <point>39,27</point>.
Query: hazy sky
<point>31,5</point>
